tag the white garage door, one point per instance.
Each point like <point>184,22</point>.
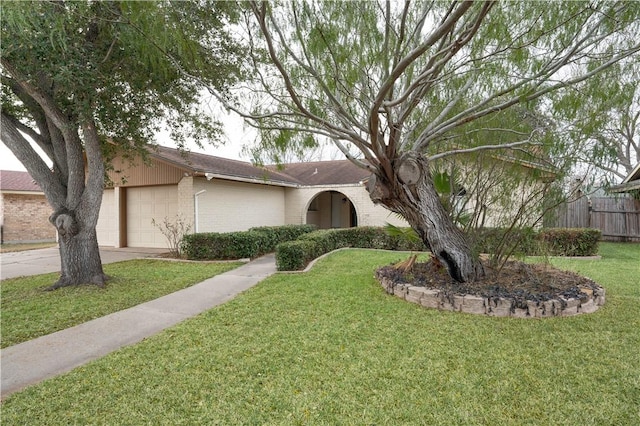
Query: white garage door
<point>106,227</point>
<point>145,204</point>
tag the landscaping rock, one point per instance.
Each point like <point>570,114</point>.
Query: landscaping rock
<point>520,291</point>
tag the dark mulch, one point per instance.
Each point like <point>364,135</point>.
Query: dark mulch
<point>517,280</point>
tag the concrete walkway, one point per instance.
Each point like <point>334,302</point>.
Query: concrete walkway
<point>48,356</point>
<point>42,261</point>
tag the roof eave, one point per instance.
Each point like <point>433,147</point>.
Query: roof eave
<point>625,187</point>
<point>21,192</point>
<point>211,175</point>
<point>635,174</point>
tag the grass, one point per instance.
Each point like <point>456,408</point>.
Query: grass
<point>29,312</point>
<point>330,347</point>
<point>13,247</point>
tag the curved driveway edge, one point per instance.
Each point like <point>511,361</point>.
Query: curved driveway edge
<point>44,357</point>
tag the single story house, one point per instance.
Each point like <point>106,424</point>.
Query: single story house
<point>214,194</point>
<point>24,210</point>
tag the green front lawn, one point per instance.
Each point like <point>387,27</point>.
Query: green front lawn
<point>29,312</point>
<point>330,347</point>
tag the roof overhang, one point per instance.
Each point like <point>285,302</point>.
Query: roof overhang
<point>626,187</point>
<point>210,175</point>
<point>634,175</point>
<point>630,183</point>
<point>18,192</point>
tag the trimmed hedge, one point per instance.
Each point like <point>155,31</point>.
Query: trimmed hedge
<point>296,255</point>
<point>570,241</point>
<point>489,240</point>
<point>240,245</point>
<point>297,245</point>
<point>549,241</point>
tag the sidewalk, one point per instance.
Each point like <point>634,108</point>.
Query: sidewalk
<point>48,356</point>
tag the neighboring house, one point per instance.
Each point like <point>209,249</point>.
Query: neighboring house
<point>24,210</point>
<point>215,194</point>
<point>631,184</point>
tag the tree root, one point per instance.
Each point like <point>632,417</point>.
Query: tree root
<point>99,280</point>
<point>406,265</point>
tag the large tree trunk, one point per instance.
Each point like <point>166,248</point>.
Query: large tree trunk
<point>79,254</point>
<point>410,192</point>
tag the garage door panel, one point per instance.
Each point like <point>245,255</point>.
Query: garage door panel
<point>106,228</point>
<point>145,204</point>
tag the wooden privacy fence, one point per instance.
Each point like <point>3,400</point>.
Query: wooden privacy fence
<point>617,218</point>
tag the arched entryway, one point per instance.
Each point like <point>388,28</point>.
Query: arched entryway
<point>331,209</point>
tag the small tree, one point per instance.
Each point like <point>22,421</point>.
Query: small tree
<point>174,231</point>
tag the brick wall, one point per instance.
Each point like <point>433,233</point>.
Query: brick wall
<point>229,206</point>
<point>25,218</point>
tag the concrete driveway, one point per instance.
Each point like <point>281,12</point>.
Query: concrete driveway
<point>41,261</point>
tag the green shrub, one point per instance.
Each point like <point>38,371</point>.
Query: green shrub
<point>295,255</point>
<point>239,245</point>
<point>526,241</point>
<point>314,244</point>
<point>570,241</point>
<point>516,241</point>
<point>223,246</point>
<point>275,235</point>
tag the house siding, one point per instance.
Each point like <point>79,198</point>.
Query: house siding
<point>25,218</point>
<point>229,206</point>
<point>157,172</point>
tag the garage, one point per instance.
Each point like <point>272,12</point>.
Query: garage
<point>107,227</point>
<point>143,205</point>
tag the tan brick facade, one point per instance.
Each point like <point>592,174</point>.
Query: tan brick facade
<point>25,218</point>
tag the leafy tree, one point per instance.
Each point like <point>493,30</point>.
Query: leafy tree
<point>409,84</point>
<point>607,124</point>
<point>83,79</point>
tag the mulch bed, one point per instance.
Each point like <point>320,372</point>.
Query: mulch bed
<point>517,280</point>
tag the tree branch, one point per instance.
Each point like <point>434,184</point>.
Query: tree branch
<point>38,169</point>
<point>483,148</point>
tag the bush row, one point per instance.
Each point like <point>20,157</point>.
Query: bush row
<point>295,255</point>
<point>240,245</point>
<point>546,242</point>
<point>297,245</point>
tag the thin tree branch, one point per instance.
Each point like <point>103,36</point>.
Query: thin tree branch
<point>483,148</point>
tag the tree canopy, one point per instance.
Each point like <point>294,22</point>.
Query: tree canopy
<point>391,77</point>
<point>84,78</point>
<point>409,84</point>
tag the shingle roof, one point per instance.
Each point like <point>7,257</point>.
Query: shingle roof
<point>204,163</point>
<point>17,181</point>
<point>340,172</point>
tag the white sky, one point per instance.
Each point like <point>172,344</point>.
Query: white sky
<point>237,137</point>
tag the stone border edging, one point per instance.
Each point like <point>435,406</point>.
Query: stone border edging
<point>495,306</point>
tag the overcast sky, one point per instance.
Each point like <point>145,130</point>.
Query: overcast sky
<point>237,136</point>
